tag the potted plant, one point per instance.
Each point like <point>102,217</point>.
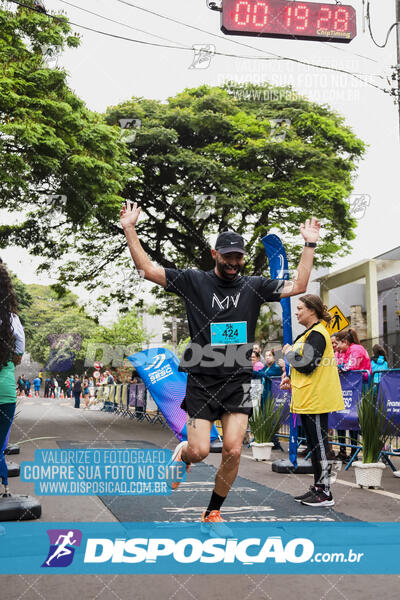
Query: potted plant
<point>265,423</point>
<point>375,431</point>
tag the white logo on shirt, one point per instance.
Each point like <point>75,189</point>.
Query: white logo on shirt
<point>226,302</point>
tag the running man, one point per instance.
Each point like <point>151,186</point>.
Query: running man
<point>62,543</point>
<point>222,310</point>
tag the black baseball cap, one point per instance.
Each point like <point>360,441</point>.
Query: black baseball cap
<point>229,241</point>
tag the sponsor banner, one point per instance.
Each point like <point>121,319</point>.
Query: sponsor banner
<point>390,387</point>
<point>352,383</point>
<point>192,548</point>
<point>352,386</point>
<point>281,396</point>
<point>159,370</point>
<point>105,472</point>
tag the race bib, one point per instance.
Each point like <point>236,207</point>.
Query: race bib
<point>228,333</point>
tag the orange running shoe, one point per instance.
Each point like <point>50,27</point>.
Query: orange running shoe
<point>214,525</point>
<point>177,457</point>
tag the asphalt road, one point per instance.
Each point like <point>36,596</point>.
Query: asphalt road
<point>259,494</point>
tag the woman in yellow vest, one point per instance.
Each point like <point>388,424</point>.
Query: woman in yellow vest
<point>316,391</point>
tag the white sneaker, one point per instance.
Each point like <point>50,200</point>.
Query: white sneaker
<point>176,457</point>
<point>396,473</point>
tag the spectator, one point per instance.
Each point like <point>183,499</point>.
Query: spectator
<point>379,362</point>
<point>77,390</point>
<point>59,387</point>
<point>354,357</point>
<point>271,369</point>
<point>68,389</point>
<point>338,355</point>
<point>53,384</point>
<point>12,347</point>
<point>109,378</point>
<point>21,385</point>
<point>47,382</point>
<point>36,386</point>
<point>86,392</point>
<point>257,348</point>
<point>27,386</point>
<point>255,359</point>
<point>91,387</point>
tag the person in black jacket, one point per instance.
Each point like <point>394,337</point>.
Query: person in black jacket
<point>77,390</point>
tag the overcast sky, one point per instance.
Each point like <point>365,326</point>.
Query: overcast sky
<point>104,71</point>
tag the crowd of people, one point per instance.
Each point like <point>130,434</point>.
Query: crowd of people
<point>76,387</point>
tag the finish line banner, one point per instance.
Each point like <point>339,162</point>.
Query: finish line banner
<point>192,548</point>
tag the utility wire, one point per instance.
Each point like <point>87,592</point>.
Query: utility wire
<point>152,12</point>
<point>171,41</point>
<point>370,29</point>
<point>273,57</point>
<point>118,22</point>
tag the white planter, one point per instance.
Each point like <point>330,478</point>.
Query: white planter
<point>368,474</point>
<point>261,451</point>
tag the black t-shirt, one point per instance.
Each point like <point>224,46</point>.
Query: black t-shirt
<point>211,300</point>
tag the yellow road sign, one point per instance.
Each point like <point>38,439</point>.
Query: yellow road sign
<point>338,321</point>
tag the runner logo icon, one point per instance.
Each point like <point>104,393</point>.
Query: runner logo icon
<point>157,362</point>
<point>62,547</point>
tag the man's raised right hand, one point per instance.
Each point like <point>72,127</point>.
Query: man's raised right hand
<point>129,214</point>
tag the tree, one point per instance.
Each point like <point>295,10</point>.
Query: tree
<point>46,304</point>
<point>110,345</point>
<point>208,159</point>
<point>268,328</point>
<point>61,343</point>
<point>60,164</point>
<point>24,303</point>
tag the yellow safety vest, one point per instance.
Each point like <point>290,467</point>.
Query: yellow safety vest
<point>319,391</point>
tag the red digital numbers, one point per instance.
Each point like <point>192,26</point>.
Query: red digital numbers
<point>297,18</point>
<point>260,16</point>
<point>324,22</point>
<point>341,22</point>
<point>249,12</point>
<point>281,18</point>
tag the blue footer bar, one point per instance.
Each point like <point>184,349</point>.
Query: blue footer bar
<point>141,548</point>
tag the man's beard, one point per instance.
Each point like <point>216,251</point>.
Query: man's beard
<point>223,270</point>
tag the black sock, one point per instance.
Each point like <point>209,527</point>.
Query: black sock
<point>215,503</point>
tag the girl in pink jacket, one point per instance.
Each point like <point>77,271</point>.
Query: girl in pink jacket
<point>354,356</point>
<point>351,357</point>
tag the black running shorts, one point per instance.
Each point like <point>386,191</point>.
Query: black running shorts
<point>208,397</point>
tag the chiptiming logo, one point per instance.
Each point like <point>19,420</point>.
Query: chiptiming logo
<point>62,547</point>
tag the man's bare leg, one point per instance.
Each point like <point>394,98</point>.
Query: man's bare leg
<point>234,426</point>
<point>198,433</point>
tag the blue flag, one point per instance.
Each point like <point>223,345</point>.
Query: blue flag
<point>279,269</point>
<point>159,370</point>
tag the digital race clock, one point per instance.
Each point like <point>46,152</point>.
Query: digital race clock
<point>286,19</point>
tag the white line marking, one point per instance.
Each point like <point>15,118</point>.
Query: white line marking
<point>348,483</point>
<point>381,492</point>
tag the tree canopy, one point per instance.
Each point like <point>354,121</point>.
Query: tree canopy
<point>208,159</point>
<point>59,162</point>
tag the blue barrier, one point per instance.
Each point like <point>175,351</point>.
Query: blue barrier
<point>353,385</point>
